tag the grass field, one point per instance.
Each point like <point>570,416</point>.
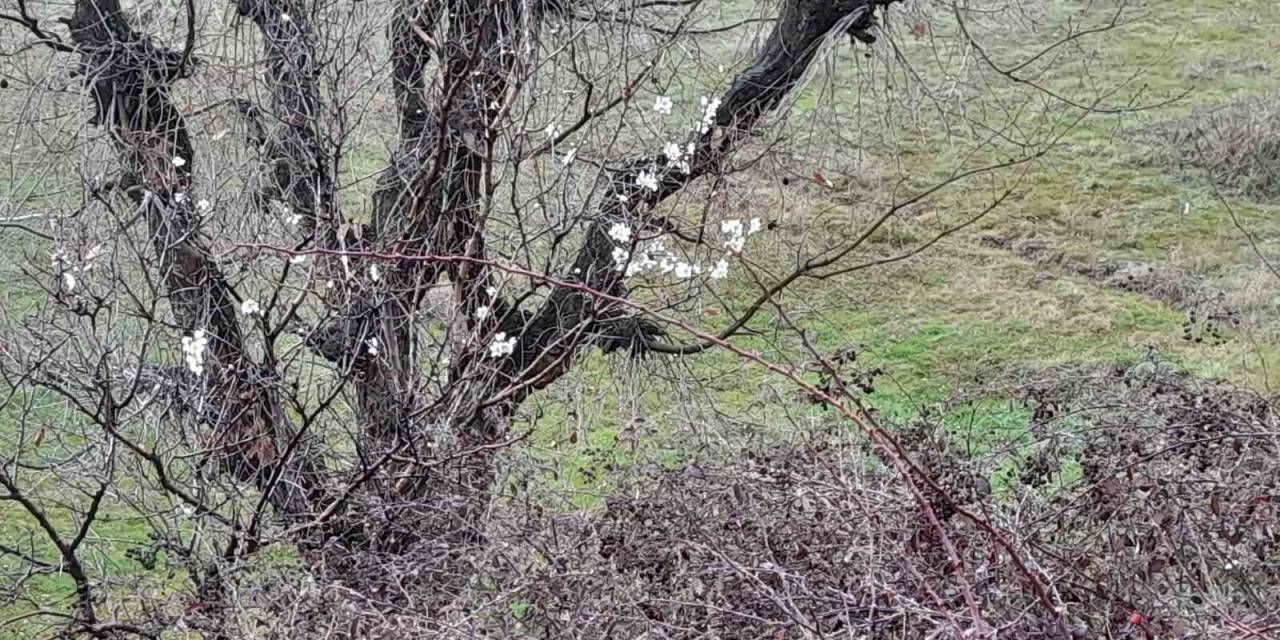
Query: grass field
<point>1107,251</point>
<point>1021,293</point>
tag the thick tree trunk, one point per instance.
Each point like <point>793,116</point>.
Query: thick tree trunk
<point>571,319</point>
<point>429,202</point>
<point>128,77</point>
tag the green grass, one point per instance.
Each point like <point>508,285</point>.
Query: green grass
<point>960,317</point>
<point>964,316</point>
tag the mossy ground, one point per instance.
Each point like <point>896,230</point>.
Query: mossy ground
<point>974,311</point>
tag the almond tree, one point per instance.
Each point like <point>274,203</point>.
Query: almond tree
<point>491,256</point>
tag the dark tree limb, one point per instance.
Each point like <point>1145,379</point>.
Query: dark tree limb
<point>128,77</point>
<point>799,33</point>
<point>294,149</point>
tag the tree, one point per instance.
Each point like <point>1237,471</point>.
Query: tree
<point>282,363</point>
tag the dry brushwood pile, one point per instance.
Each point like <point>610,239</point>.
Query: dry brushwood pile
<point>1236,144</point>
<point>1169,529</point>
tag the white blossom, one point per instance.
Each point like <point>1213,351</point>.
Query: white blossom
<point>643,261</point>
<point>737,233</point>
<point>663,105</point>
<point>685,270</point>
<point>203,205</point>
<point>375,274</point>
<point>667,263</point>
<point>709,108</point>
<point>295,219</point>
<point>482,312</point>
<point>178,161</point>
<point>620,232</point>
<point>179,197</point>
<point>720,270</point>
<point>502,345</point>
<point>492,291</point>
<point>552,130</point>
<point>284,17</point>
<point>620,257</point>
<point>567,158</point>
<point>676,157</point>
<point>647,180</point>
<point>250,307</point>
<point>68,281</point>
<point>298,259</point>
<point>193,348</point>
<point>371,345</point>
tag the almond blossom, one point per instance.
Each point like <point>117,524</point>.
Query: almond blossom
<point>663,105</point>
<point>193,349</point>
<point>502,345</point>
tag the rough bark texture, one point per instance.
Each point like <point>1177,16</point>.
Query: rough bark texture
<point>457,65</point>
<point>300,165</point>
<point>128,77</point>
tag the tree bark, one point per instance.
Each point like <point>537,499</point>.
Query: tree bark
<point>128,77</point>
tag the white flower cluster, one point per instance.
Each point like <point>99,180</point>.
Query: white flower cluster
<point>620,258</point>
<point>710,105</point>
<point>677,157</point>
<point>648,179</point>
<point>737,233</point>
<point>371,345</point>
<point>502,345</point>
<point>709,108</point>
<point>720,270</point>
<point>193,348</point>
<point>654,256</point>
<point>663,105</point>
<point>620,232</point>
<point>250,307</point>
<point>484,311</point>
